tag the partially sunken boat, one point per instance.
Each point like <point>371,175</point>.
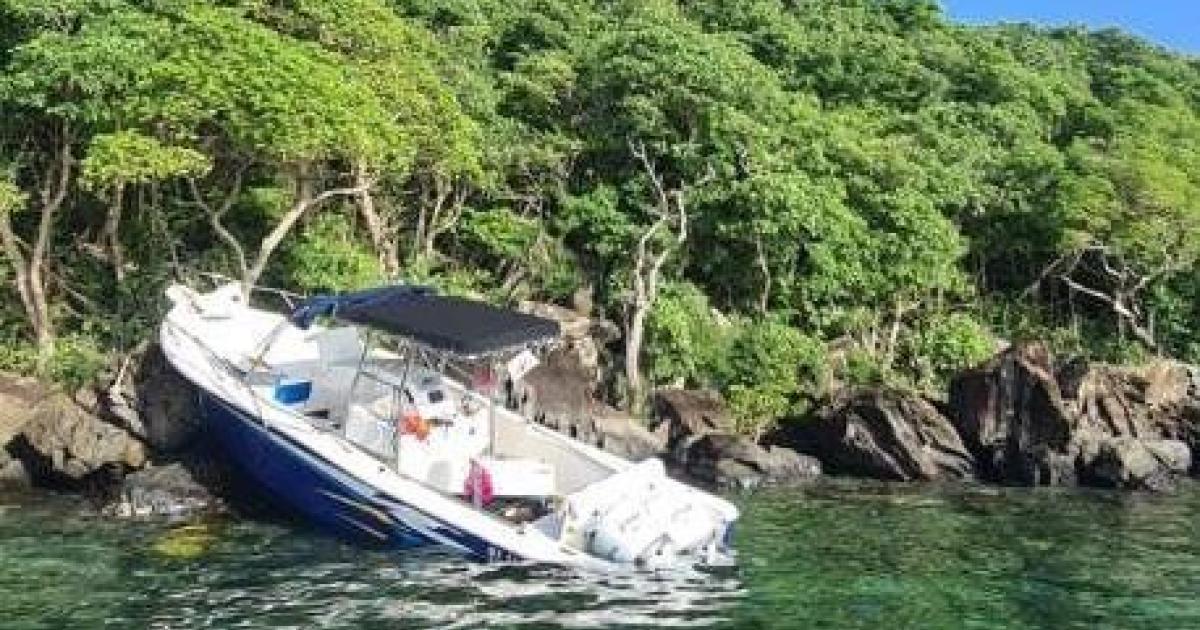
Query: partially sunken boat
<point>375,415</point>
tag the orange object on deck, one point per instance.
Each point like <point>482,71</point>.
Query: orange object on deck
<point>413,424</point>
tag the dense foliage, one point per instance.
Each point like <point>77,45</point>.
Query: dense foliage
<point>768,196</point>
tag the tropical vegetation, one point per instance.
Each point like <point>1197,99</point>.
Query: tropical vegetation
<point>768,196</point>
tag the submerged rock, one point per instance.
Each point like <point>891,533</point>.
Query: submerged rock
<point>883,434</point>
<point>162,491</point>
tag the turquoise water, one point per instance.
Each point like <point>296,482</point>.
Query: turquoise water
<point>833,556</point>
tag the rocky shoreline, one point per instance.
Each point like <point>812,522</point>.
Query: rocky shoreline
<point>1022,418</point>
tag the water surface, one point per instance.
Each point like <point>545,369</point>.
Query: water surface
<point>835,556</point>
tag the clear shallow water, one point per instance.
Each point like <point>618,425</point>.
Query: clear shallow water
<point>836,556</point>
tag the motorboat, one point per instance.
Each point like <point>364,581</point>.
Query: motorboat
<point>380,416</point>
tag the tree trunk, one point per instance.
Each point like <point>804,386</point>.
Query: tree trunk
<point>383,239</point>
<point>29,274</point>
<point>634,333</point>
<point>112,233</point>
<point>764,297</point>
<point>305,201</point>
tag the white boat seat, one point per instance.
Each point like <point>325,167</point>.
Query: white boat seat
<point>510,477</point>
<point>519,477</point>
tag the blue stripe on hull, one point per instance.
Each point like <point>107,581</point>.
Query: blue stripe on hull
<point>326,496</point>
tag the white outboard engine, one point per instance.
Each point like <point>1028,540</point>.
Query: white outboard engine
<point>642,516</point>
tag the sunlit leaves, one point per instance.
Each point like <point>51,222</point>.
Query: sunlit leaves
<point>127,157</point>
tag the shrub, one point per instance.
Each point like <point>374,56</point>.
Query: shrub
<point>684,341</point>
<point>328,257</point>
<point>770,369</point>
<point>943,343</point>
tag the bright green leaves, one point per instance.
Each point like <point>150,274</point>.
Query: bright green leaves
<point>685,342</point>
<point>769,369</point>
<point>127,157</point>
<point>276,96</point>
<point>328,257</point>
<point>502,233</point>
<point>1139,196</point>
<point>12,198</point>
<point>672,86</point>
<point>89,74</point>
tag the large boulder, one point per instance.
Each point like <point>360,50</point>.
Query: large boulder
<point>559,392</point>
<point>582,337</point>
<point>883,434</point>
<point>682,413</point>
<point>156,404</point>
<point>13,474</point>
<point>625,437</point>
<point>1031,423</point>
<point>733,461</point>
<point>1011,414</point>
<point>60,440</point>
<point>68,440</point>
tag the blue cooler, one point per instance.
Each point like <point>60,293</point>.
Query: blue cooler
<point>292,391</point>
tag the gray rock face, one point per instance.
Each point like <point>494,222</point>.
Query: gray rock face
<point>1096,424</point>
<point>683,413</point>
<point>73,442</point>
<point>162,491</point>
<point>583,337</point>
<point>1133,464</point>
<point>1011,414</point>
<point>559,394</point>
<point>882,434</point>
<point>625,437</point>
<point>733,461</point>
<point>157,405</point>
<point>17,397</point>
<point>13,474</point>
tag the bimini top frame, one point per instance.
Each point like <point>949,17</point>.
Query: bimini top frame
<point>465,328</point>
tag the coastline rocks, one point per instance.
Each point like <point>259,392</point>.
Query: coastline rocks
<point>624,436</point>
<point>163,403</point>
<point>13,474</point>
<point>883,434</point>
<point>18,395</point>
<point>736,462</point>
<point>1011,415</point>
<point>169,491</point>
<point>1092,424</point>
<point>61,440</point>
<point>1132,464</point>
<point>683,413</point>
<point>583,337</point>
<point>557,393</point>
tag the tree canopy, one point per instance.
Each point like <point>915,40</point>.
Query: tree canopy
<point>769,197</point>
